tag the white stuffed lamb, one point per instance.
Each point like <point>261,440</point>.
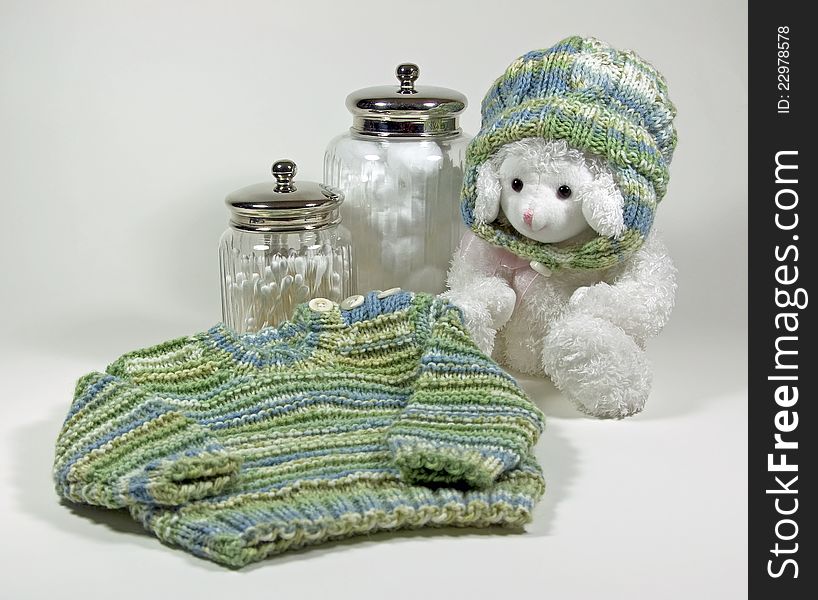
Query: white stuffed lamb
<point>561,273</point>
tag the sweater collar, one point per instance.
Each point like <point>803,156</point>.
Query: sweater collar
<point>297,339</point>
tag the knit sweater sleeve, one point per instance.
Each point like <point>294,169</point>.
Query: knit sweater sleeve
<point>467,421</point>
<point>122,444</point>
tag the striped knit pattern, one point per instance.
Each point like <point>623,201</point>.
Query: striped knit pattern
<point>608,103</point>
<point>235,448</point>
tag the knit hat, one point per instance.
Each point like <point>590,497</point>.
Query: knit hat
<point>340,422</point>
<point>608,103</point>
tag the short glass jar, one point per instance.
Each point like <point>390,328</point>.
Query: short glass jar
<point>285,245</point>
<point>400,167</point>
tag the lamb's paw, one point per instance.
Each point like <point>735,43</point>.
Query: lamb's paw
<point>500,301</point>
<point>591,296</point>
<point>520,347</point>
<point>477,318</point>
<point>597,365</point>
<point>491,294</point>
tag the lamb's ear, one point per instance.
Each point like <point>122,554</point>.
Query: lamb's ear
<point>487,203</point>
<point>603,206</point>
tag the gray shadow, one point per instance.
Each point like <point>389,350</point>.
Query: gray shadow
<point>379,538</point>
<point>558,458</point>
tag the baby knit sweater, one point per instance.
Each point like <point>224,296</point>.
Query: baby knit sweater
<point>343,422</point>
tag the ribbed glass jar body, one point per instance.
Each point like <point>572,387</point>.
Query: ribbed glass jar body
<point>264,276</point>
<point>402,206</point>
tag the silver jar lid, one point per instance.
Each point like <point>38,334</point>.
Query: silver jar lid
<point>406,110</point>
<point>285,205</point>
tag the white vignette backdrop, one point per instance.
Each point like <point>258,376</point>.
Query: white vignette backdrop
<point>124,124</point>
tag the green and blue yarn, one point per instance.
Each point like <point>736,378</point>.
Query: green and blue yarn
<point>235,448</point>
<point>606,102</point>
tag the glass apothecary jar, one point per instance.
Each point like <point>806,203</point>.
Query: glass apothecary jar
<point>285,245</point>
<point>400,167</point>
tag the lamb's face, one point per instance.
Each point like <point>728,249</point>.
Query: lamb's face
<point>541,201</point>
<point>549,192</point>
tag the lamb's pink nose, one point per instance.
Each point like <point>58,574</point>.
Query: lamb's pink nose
<point>528,216</point>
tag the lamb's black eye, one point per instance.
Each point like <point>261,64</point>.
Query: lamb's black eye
<point>564,192</point>
<point>517,185</point>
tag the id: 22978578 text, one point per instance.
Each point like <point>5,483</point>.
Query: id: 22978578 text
<point>783,70</point>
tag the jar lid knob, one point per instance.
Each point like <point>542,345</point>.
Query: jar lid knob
<point>407,74</point>
<point>284,171</point>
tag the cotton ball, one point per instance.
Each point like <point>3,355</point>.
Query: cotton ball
<point>415,157</point>
<point>351,150</point>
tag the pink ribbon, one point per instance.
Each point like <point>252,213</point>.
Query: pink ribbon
<point>499,262</point>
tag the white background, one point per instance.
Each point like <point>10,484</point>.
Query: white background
<point>122,127</point>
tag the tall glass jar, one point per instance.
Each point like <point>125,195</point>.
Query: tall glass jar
<point>400,167</point>
<point>285,245</point>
